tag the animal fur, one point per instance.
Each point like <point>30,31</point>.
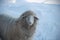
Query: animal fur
<point>17,28</point>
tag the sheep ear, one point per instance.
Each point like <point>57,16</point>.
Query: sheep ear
<point>36,18</point>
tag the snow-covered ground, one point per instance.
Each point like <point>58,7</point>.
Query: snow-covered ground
<point>49,23</point>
